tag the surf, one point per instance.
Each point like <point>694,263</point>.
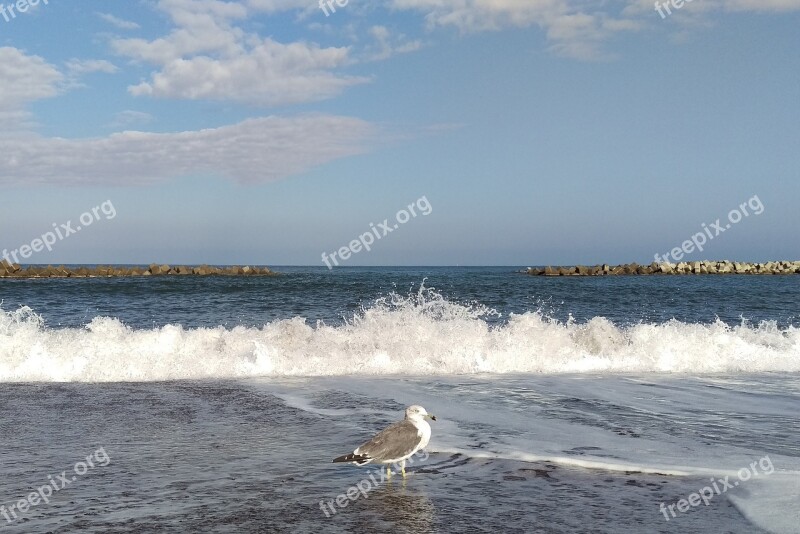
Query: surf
<point>419,334</point>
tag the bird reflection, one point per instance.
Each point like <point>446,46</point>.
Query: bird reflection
<point>408,510</point>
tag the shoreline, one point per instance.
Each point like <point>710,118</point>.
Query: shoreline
<point>682,268</point>
<point>8,270</point>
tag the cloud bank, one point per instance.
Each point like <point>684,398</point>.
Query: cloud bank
<point>253,151</point>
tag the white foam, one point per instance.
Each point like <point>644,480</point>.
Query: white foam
<point>773,505</point>
<point>419,335</point>
<point>478,423</point>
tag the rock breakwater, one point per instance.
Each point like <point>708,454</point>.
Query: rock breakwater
<point>682,268</point>
<point>9,270</point>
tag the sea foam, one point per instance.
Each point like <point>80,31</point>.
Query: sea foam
<point>422,334</point>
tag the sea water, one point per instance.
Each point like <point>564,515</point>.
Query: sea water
<point>563,404</point>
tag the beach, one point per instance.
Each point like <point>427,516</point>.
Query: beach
<point>247,245</point>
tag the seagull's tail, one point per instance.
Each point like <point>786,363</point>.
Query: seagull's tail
<point>360,459</point>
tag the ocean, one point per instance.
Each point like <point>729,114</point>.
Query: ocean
<point>566,404</point>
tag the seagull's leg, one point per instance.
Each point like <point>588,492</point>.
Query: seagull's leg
<point>388,472</point>
<point>403,468</point>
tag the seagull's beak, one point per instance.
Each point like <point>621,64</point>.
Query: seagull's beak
<point>431,417</point>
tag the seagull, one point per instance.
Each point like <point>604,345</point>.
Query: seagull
<point>396,443</point>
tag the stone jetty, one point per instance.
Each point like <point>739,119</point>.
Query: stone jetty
<point>692,267</point>
<point>13,270</point>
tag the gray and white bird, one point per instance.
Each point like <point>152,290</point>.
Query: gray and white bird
<point>396,443</point>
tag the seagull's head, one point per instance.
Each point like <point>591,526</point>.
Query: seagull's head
<point>418,413</point>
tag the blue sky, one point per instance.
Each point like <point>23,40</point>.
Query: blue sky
<point>265,132</point>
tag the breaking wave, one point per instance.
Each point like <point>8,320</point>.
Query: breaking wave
<point>421,334</point>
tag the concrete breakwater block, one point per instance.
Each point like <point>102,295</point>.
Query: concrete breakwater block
<point>13,270</point>
<point>694,267</point>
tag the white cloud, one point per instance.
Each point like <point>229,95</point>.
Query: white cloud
<point>386,45</point>
<point>196,33</point>
<point>88,66</point>
<point>118,22</point>
<point>478,15</point>
<point>761,5</point>
<point>574,28</point>
<point>24,79</point>
<point>274,6</point>
<point>127,118</point>
<point>207,57</point>
<point>253,151</point>
<point>270,74</point>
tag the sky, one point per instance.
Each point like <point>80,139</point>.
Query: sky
<point>521,132</point>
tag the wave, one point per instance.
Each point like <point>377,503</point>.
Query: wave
<point>420,334</point>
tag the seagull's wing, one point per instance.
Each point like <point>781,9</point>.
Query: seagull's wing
<point>390,445</point>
